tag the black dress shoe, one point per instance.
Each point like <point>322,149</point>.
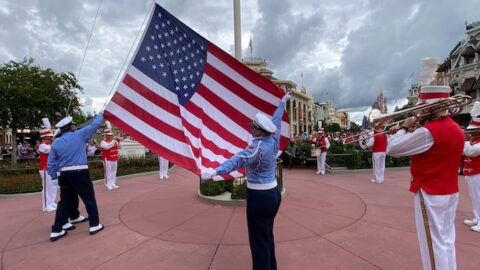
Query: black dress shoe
<point>55,236</point>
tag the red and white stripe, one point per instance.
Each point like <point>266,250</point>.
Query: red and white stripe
<point>211,127</point>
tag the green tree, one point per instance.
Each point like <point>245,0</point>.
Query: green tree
<point>28,93</point>
<point>354,127</point>
<point>333,127</point>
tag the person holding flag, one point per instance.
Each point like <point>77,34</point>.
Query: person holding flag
<point>263,194</point>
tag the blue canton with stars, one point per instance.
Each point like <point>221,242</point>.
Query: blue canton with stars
<point>172,54</point>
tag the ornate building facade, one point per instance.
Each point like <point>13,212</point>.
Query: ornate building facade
<point>300,105</point>
<point>461,68</point>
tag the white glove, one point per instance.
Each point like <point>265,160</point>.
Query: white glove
<point>208,174</point>
<point>55,184</point>
<point>286,97</point>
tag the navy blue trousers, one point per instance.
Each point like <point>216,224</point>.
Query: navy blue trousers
<point>262,207</point>
<point>73,184</point>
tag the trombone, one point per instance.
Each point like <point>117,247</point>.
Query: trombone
<point>424,113</point>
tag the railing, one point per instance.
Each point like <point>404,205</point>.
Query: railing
<point>24,180</point>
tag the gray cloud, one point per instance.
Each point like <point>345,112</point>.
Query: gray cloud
<point>346,49</point>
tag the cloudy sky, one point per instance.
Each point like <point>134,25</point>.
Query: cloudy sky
<point>346,49</point>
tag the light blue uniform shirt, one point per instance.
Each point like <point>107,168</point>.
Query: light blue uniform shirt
<point>69,149</point>
<point>261,166</point>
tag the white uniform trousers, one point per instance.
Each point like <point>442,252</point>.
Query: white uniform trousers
<point>163,167</point>
<point>378,166</point>
<point>49,193</point>
<point>441,216</point>
<point>110,172</point>
<point>473,182</point>
<point>321,163</point>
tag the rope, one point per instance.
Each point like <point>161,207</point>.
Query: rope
<point>86,48</point>
<point>117,82</point>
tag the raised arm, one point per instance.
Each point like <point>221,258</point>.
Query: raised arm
<point>88,131</point>
<point>277,115</point>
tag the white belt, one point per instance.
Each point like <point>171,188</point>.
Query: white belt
<point>258,186</point>
<point>73,168</point>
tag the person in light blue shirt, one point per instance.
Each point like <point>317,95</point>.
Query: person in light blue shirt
<point>263,194</point>
<point>68,162</point>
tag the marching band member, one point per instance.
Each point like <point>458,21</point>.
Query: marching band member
<point>49,191</point>
<point>263,194</point>
<point>378,143</point>
<point>471,168</point>
<point>321,147</point>
<point>68,157</point>
<point>110,148</point>
<point>435,150</point>
<point>163,170</point>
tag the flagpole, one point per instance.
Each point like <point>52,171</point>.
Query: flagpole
<point>130,56</point>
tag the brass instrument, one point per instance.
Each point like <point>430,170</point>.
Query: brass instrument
<point>423,112</point>
<point>471,131</point>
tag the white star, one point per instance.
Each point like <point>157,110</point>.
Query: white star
<point>164,74</point>
<point>171,32</point>
<point>176,28</point>
<point>159,56</point>
<point>169,44</point>
<point>171,53</point>
<point>184,79</point>
<point>162,45</point>
<point>155,47</point>
<point>159,36</point>
<point>177,80</point>
<point>197,73</point>
<point>201,47</point>
<point>174,63</point>
<point>180,38</point>
<point>178,51</point>
<point>193,41</point>
<point>164,54</point>
<point>188,45</point>
<point>177,87</point>
<point>150,57</point>
<point>192,85</point>
<point>186,57</point>
<point>201,60</point>
<point>168,22</point>
<point>198,51</point>
<point>185,87</point>
<point>166,34</point>
<point>192,55</point>
<point>186,95</point>
<point>183,48</point>
<point>156,26</point>
<point>191,76</point>
<point>180,60</point>
<point>189,67</point>
<point>152,37</point>
<point>184,35</point>
<point>182,70</point>
<point>143,59</point>
<point>147,48</point>
<point>162,65</point>
<point>154,67</point>
<point>159,14</point>
<point>175,71</point>
<point>195,64</point>
<point>174,41</point>
<point>163,25</point>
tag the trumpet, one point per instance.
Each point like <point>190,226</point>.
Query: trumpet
<point>424,113</point>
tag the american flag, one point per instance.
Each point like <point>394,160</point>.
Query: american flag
<point>187,100</point>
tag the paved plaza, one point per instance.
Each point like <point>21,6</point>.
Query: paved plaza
<point>333,221</point>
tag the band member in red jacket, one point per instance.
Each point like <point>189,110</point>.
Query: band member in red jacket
<point>378,143</point>
<point>435,149</point>
<point>110,148</point>
<point>471,167</point>
<point>321,148</point>
<point>49,190</point>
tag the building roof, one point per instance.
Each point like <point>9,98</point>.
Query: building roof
<point>468,84</point>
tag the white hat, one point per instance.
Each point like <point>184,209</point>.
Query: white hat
<point>64,122</point>
<point>57,132</point>
<point>263,122</point>
<point>430,94</point>
<point>46,130</point>
<point>475,113</point>
<point>321,130</point>
<point>108,129</point>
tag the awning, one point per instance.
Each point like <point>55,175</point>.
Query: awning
<point>468,51</point>
<point>467,85</point>
<point>477,85</point>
